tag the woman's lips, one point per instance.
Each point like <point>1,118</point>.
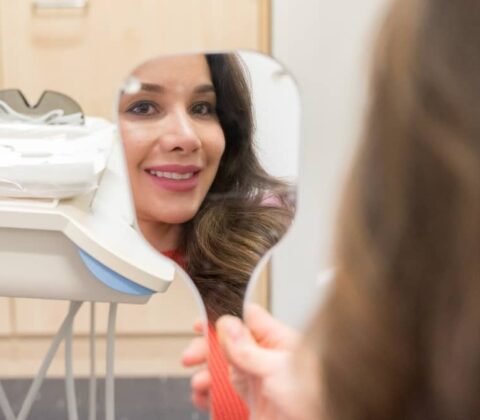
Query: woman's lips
<point>179,178</point>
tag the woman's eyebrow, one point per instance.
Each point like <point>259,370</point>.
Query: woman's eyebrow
<point>207,88</point>
<point>153,87</point>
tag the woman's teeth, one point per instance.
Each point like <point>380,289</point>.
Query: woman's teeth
<point>171,175</point>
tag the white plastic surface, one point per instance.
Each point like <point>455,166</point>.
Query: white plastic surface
<point>53,161</point>
<point>40,241</point>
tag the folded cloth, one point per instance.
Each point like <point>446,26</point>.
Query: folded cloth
<point>48,161</point>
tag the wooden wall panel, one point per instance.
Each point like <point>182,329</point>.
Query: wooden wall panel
<point>86,54</point>
<point>134,356</point>
<point>172,312</point>
<point>5,316</point>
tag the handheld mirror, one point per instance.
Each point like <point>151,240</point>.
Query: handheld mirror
<point>210,144</point>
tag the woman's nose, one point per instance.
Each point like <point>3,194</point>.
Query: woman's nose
<point>180,134</point>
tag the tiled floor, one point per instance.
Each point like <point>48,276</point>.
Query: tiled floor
<point>135,399</point>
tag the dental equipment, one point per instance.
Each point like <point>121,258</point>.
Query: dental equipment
<point>67,230</point>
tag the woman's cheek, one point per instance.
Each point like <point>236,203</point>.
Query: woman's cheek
<point>134,144</point>
<point>131,133</point>
<point>220,145</point>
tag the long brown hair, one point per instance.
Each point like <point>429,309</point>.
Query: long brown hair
<point>399,336</point>
<point>234,227</point>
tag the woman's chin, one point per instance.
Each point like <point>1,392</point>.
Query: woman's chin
<point>178,220</point>
<point>175,218</point>
<point>166,215</point>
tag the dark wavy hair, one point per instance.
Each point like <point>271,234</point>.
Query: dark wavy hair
<point>399,337</point>
<point>235,226</point>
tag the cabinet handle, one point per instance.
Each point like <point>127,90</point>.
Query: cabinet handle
<point>60,4</point>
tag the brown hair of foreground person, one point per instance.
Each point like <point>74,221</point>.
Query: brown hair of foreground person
<point>399,336</point>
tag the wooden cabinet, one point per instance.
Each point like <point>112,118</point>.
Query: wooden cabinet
<point>6,305</point>
<point>86,53</point>
<point>150,337</point>
<point>172,312</point>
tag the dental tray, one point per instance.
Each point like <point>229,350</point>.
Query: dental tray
<point>53,161</point>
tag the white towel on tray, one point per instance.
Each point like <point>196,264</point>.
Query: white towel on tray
<point>47,161</point>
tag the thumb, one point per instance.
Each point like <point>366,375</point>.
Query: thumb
<point>267,331</point>
<point>242,351</point>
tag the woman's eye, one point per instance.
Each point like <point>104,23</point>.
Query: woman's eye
<point>203,109</point>
<point>142,108</point>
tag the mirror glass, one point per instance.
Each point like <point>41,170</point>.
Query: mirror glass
<point>210,143</point>
<point>211,148</point>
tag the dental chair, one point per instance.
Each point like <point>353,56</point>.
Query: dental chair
<point>67,226</point>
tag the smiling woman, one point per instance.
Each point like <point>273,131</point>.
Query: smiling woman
<point>200,192</point>
<point>201,195</point>
<point>173,143</point>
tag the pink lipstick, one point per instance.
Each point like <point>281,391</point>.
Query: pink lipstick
<point>177,178</point>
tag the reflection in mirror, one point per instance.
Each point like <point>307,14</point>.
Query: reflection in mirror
<point>197,167</point>
<point>210,145</point>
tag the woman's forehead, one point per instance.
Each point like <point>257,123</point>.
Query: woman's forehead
<point>179,72</point>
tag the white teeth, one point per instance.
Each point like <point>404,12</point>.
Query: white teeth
<point>171,175</point>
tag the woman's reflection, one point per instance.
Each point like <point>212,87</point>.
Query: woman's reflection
<point>200,193</point>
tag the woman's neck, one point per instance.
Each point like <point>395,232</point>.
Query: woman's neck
<point>162,236</point>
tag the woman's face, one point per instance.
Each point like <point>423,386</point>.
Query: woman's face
<point>172,137</point>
